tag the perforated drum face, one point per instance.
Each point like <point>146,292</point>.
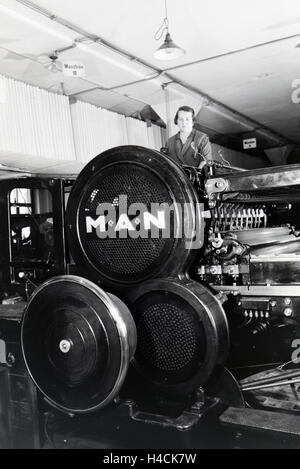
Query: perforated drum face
<point>182,334</point>
<point>76,344</point>
<point>123,257</point>
<point>123,221</point>
<point>171,338</point>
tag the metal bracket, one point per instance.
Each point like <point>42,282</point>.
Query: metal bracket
<point>188,419</point>
<point>216,185</point>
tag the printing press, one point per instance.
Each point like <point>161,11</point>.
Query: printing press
<point>160,309</point>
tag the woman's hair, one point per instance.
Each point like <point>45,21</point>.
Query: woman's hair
<point>186,109</point>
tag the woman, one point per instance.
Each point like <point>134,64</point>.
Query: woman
<point>189,146</point>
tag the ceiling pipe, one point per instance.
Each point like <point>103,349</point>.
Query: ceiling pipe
<point>236,51</point>
<point>85,34</point>
<point>250,128</point>
<point>275,136</point>
<point>114,88</point>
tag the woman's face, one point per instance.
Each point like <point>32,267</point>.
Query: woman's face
<point>185,121</point>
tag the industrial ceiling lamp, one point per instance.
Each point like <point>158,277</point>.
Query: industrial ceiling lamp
<point>53,65</point>
<point>168,50</point>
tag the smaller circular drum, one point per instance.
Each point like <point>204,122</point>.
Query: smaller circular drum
<point>77,342</point>
<point>182,334</point>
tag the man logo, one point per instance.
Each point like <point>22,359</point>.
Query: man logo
<point>124,223</point>
<point>134,221</point>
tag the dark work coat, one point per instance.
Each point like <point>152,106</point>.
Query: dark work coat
<point>195,151</point>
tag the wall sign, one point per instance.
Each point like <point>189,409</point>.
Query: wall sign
<point>73,69</point>
<point>249,143</point>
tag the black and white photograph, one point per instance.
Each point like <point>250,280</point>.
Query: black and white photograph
<point>149,227</point>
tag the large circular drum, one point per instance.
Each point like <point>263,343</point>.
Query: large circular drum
<point>77,342</point>
<point>182,334</point>
<point>132,215</point>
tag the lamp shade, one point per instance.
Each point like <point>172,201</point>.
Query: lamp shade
<point>53,67</point>
<point>168,50</point>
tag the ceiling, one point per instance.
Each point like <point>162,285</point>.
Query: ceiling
<point>240,66</point>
